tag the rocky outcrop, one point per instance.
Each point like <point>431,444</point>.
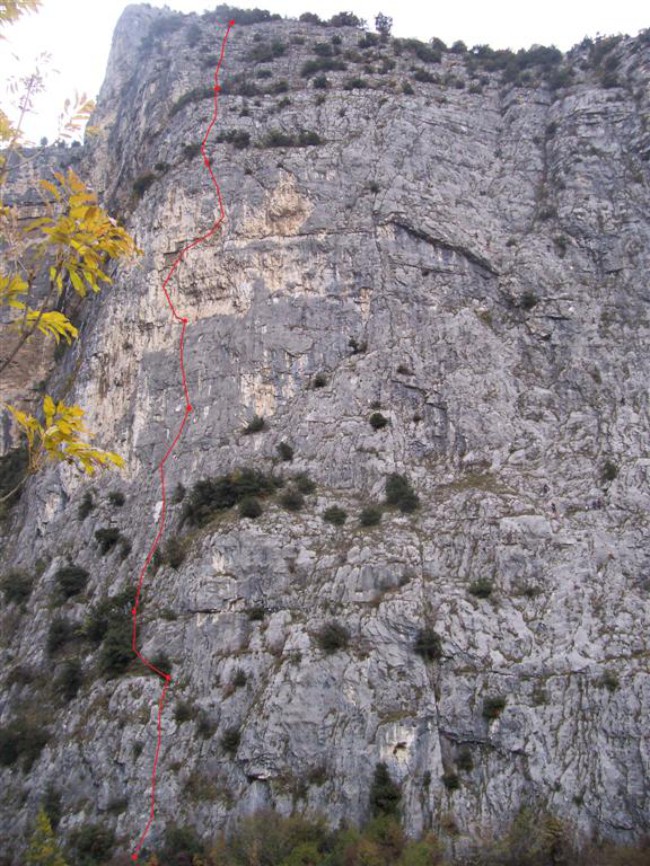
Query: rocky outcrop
<point>464,256</point>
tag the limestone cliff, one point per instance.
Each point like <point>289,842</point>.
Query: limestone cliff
<point>412,236</point>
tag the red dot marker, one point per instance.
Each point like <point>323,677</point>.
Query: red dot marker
<point>189,408</point>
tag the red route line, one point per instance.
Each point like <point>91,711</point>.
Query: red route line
<point>188,409</point>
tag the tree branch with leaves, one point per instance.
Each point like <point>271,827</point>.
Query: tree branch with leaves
<point>69,247</point>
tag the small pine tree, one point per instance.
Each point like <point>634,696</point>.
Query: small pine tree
<point>43,848</point>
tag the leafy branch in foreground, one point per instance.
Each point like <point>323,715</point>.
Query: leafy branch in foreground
<point>58,440</point>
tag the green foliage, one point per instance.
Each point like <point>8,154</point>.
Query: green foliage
<point>179,494</point>
<point>175,552</point>
<point>239,679</point>
<point>92,844</point>
<point>332,636</point>
<point>16,586</point>
<point>378,421</point>
<point>265,53</point>
<point>116,653</point>
<point>345,19</point>
<point>212,495</point>
<point>181,846</point>
<point>116,498</point>
<point>107,537</point>
<point>385,795</point>
<point>240,85</point>
<point>310,18</point>
<point>13,467</point>
<point>335,515</point>
<point>400,493</point>
<point>69,680</point>
<point>285,451</point>
<point>322,64</point>
<point>355,83</point>
<point>255,425</point>
<point>319,380</point>
<point>324,49</point>
<point>142,183</point>
<point>162,662</point>
<point>239,138</point>
<point>86,505</point>
<point>370,515</point>
<point>191,150</point>
<point>183,712</point>
<point>268,839</point>
<point>428,644</point>
<point>256,614</point>
<point>530,299</point>
<point>244,17</point>
<point>250,507</point>
<point>60,633</point>
<point>465,762</point>
<point>304,483</point>
<point>368,40</point>
<point>205,728</point>
<point>22,740</point>
<point>424,76</point>
<point>481,588</point>
<point>277,138</point>
<point>51,804</point>
<point>292,500</point>
<point>493,707</point>
<point>230,740</point>
<point>451,781</point>
<point>197,94</point>
<point>609,681</point>
<point>107,614</point>
<point>610,471</point>
<point>72,580</point>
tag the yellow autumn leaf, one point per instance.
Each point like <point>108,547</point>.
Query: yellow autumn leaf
<point>53,324</point>
<point>59,439</point>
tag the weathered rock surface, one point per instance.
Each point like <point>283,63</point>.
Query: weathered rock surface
<point>472,263</point>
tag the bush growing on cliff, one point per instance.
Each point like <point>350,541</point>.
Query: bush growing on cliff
<point>370,515</point>
<point>69,680</point>
<point>428,644</point>
<point>385,795</point>
<point>332,637</point>
<point>400,493</point>
<point>198,94</point>
<point>16,586</point>
<point>481,588</point>
<point>225,13</point>
<point>322,64</point>
<point>335,515</point>
<point>72,580</point>
<point>92,844</point>
<point>107,538</point>
<point>493,707</point>
<point>212,495</point>
<point>60,632</point>
<point>21,739</point>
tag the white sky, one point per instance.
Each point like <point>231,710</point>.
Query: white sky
<point>77,33</point>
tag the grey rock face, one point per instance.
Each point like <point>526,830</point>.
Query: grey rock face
<point>470,264</point>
